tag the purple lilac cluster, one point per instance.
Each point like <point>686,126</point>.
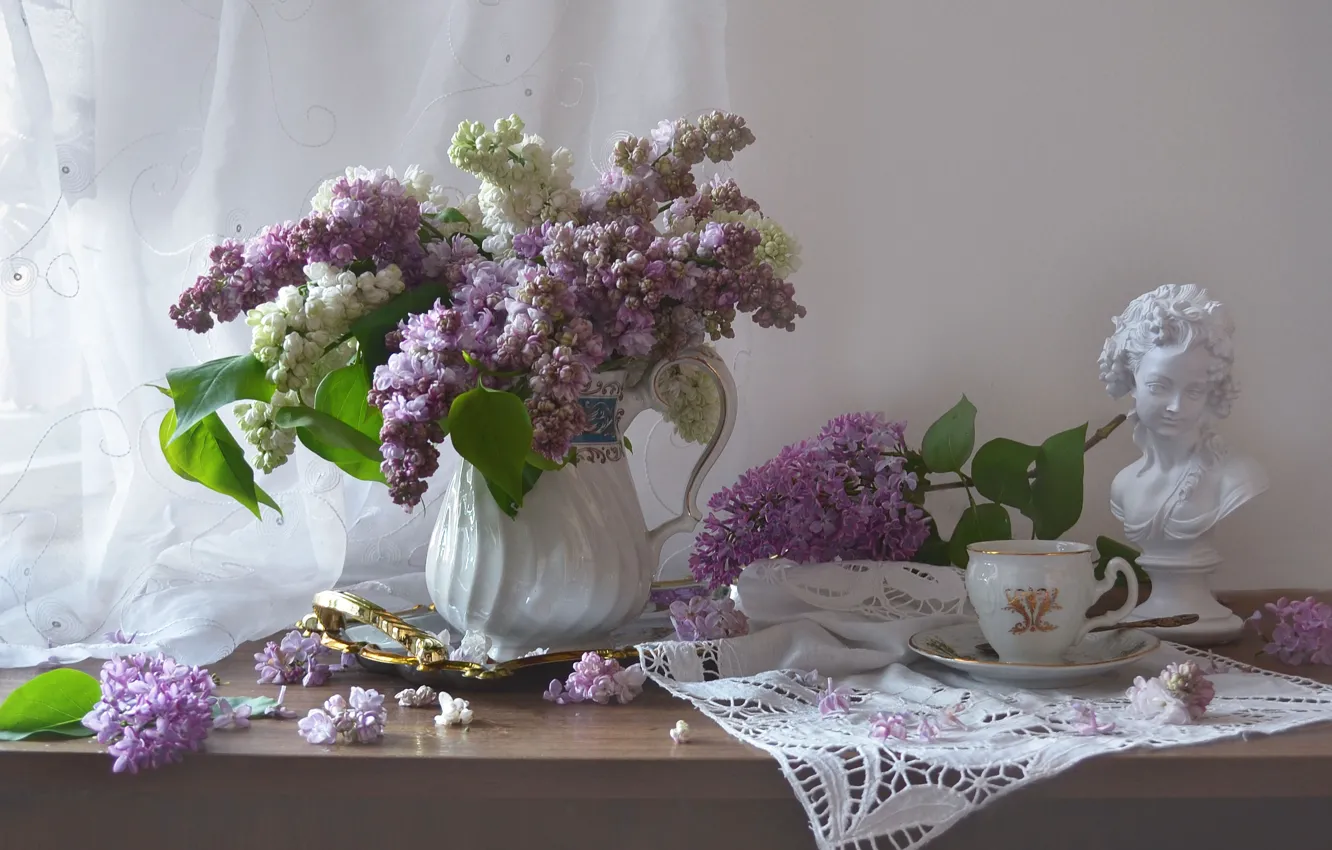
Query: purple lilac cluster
<point>609,285</point>
<point>704,618</point>
<point>845,494</point>
<point>296,659</point>
<point>370,217</point>
<point>152,711</point>
<point>1303,630</point>
<point>359,718</point>
<point>598,680</point>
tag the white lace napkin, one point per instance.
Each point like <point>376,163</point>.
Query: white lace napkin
<point>851,621</point>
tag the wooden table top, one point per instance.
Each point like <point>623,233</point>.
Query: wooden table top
<point>523,748</point>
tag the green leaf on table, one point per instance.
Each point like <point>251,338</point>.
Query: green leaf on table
<point>492,431</point>
<point>370,329</point>
<point>200,390</point>
<point>52,702</point>
<point>1056,491</point>
<point>259,706</point>
<point>985,521</point>
<point>1000,470</point>
<point>948,442</point>
<point>73,729</point>
<point>209,455</point>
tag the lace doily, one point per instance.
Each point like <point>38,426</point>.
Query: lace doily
<point>861,793</point>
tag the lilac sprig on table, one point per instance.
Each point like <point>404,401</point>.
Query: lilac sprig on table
<point>1180,694</point>
<point>153,710</point>
<point>834,700</point>
<point>846,494</point>
<point>358,718</point>
<point>298,658</point>
<point>704,618</point>
<point>1302,633</point>
<point>1085,722</point>
<point>597,679</point>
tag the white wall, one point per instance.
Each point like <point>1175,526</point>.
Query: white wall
<point>980,186</point>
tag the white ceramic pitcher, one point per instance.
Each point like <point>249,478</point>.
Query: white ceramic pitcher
<point>578,560</point>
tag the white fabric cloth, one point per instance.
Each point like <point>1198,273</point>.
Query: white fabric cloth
<point>851,621</point>
<point>133,138</point>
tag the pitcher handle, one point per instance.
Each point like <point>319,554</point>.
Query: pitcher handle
<point>1117,566</point>
<point>691,515</point>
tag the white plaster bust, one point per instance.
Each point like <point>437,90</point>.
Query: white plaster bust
<point>1171,351</point>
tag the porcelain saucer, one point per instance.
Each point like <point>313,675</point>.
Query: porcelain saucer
<point>959,647</point>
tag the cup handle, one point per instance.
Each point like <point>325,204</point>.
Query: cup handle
<point>1104,586</point>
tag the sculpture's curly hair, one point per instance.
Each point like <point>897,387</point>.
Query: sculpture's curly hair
<point>1174,314</point>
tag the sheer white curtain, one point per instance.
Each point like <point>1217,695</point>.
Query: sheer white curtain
<point>133,137</point>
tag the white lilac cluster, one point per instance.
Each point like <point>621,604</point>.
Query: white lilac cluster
<point>299,337</point>
<point>777,248</point>
<point>523,182</point>
<point>692,399</point>
<point>453,712</point>
<point>272,444</point>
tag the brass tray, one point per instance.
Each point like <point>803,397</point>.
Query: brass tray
<point>404,644</point>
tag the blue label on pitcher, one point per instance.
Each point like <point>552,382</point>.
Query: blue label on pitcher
<point>600,413</point>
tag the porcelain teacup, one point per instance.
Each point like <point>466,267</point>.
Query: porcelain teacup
<point>1031,596</point>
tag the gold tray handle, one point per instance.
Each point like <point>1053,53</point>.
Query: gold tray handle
<point>332,610</point>
<point>425,652</point>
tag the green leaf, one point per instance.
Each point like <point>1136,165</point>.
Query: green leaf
<point>360,267</point>
<point>986,521</point>
<point>504,500</point>
<point>50,702</point>
<point>948,442</point>
<point>934,550</point>
<point>330,431</point>
<point>628,446</point>
<point>344,394</point>
<point>209,455</point>
<point>74,729</point>
<point>371,328</point>
<point>259,706</point>
<point>353,463</point>
<point>542,462</point>
<point>1000,470</point>
<point>1056,492</point>
<point>200,390</point>
<point>453,216</point>
<point>1107,548</point>
<point>492,431</point>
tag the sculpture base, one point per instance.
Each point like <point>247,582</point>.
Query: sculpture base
<point>1178,589</point>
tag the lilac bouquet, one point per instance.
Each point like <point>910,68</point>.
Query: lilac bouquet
<point>386,320</point>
